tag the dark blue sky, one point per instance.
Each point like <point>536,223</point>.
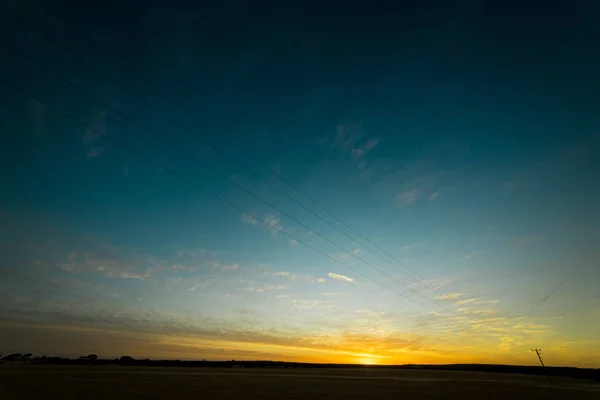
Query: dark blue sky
<point>461,137</point>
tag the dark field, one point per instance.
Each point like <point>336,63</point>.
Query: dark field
<point>90,382</point>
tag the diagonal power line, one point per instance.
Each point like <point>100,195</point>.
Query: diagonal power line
<point>575,271</point>
<point>194,184</point>
<point>400,266</point>
<point>193,158</point>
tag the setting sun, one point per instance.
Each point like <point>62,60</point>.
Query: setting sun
<point>368,361</point>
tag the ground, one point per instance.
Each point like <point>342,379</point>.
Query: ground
<point>116,382</point>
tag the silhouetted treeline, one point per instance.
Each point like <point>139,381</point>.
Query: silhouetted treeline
<point>92,359</point>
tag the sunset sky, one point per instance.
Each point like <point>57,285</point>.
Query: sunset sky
<point>461,140</point>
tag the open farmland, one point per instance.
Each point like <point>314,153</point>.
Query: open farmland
<point>90,382</point>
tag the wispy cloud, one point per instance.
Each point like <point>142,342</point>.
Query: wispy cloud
<point>309,304</point>
<point>264,288</point>
<point>407,197</point>
<point>282,274</point>
<point>289,275</point>
<point>466,301</point>
<point>435,284</point>
<point>341,277</point>
<point>364,148</point>
<point>434,195</point>
<point>451,296</point>
<point>275,224</point>
<point>272,222</point>
<point>129,264</point>
<point>346,137</point>
<point>247,219</point>
<point>350,139</point>
<point>230,267</point>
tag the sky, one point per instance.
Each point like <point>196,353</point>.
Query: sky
<point>375,184</point>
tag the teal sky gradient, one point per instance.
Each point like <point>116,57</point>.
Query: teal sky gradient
<point>466,153</point>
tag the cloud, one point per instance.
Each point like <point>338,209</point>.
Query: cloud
<point>407,197</point>
<point>349,139</point>
<point>125,264</point>
<point>231,267</point>
<point>435,284</point>
<point>273,222</point>
<point>451,296</point>
<point>434,195</point>
<point>264,288</point>
<point>466,301</point>
<point>283,273</point>
<point>341,277</point>
<point>346,255</point>
<point>346,137</point>
<point>247,219</point>
<point>309,304</point>
<point>289,275</point>
<point>474,335</point>
<point>364,149</point>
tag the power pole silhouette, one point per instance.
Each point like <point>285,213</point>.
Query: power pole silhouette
<point>537,351</point>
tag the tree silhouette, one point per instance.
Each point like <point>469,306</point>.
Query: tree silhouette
<point>13,357</point>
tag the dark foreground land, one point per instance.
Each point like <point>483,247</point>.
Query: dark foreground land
<point>123,382</point>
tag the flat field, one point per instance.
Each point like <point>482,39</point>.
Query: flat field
<point>119,382</point>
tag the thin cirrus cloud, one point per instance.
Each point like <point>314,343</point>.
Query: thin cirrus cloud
<point>289,275</point>
<point>341,277</point>
<point>273,223</point>
<point>408,196</point>
<point>264,288</point>
<point>350,139</point>
<point>451,296</point>
<point>364,148</point>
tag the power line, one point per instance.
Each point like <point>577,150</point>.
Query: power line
<point>407,271</point>
<point>193,158</point>
<point>202,164</point>
<point>195,185</point>
<point>561,283</point>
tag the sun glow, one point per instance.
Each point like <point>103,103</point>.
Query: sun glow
<point>368,361</point>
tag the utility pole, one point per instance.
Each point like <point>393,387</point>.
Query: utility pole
<point>538,351</point>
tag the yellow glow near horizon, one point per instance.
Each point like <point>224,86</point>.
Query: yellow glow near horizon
<point>368,361</point>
